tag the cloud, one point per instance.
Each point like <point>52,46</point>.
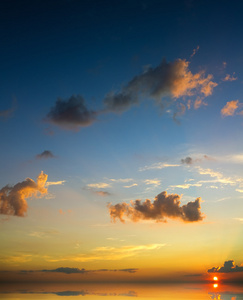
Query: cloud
<point>13,199</point>
<point>228,77</point>
<point>107,253</point>
<point>186,185</point>
<point>7,113</point>
<point>67,270</point>
<point>131,185</point>
<point>155,182</point>
<point>189,161</point>
<point>100,185</point>
<point>60,182</point>
<point>123,180</point>
<point>229,267</point>
<point>165,83</point>
<point>158,166</point>
<point>45,154</point>
<point>102,193</point>
<point>71,113</point>
<point>164,206</point>
<point>217,175</point>
<point>230,108</point>
<point>194,51</point>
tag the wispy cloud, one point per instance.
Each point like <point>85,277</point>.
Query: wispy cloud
<point>123,180</point>
<point>108,253</point>
<point>229,77</point>
<point>159,165</point>
<point>130,186</point>
<point>155,182</point>
<point>102,193</point>
<point>60,182</point>
<point>13,199</point>
<point>7,113</point>
<point>164,206</point>
<point>99,185</point>
<point>186,185</point>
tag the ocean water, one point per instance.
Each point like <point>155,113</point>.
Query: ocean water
<point>120,291</point>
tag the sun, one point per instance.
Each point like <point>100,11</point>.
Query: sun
<point>215,278</point>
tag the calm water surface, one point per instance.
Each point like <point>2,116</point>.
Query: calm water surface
<point>120,291</point>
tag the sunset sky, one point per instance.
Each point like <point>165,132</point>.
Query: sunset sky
<point>121,127</point>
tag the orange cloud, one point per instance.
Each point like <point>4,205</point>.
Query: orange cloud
<point>13,199</point>
<point>230,108</point>
<point>164,206</point>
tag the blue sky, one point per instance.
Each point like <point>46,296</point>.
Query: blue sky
<point>154,83</point>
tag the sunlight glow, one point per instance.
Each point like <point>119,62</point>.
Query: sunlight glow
<point>215,278</point>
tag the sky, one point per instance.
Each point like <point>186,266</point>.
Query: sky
<point>121,140</point>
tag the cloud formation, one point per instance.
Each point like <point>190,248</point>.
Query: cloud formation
<point>71,113</point>
<point>67,270</point>
<point>230,108</point>
<point>13,199</point>
<point>158,166</point>
<point>165,83</point>
<point>7,113</point>
<point>164,206</point>
<point>229,267</point>
<point>45,154</point>
<point>189,161</point>
<point>229,77</point>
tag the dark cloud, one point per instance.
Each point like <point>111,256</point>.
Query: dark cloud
<point>188,160</point>
<point>45,154</point>
<point>229,267</point>
<point>67,270</point>
<point>164,84</point>
<point>71,113</point>
<point>13,199</point>
<point>7,113</point>
<point>164,206</point>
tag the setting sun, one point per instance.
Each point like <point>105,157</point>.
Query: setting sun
<point>215,278</point>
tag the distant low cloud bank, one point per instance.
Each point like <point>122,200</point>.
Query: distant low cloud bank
<point>67,270</point>
<point>164,84</point>
<point>13,199</point>
<point>229,267</point>
<point>164,206</point>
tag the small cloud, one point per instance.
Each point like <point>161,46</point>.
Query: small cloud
<point>45,154</point>
<point>100,185</point>
<point>123,180</point>
<point>13,199</point>
<point>61,182</point>
<point>230,108</point>
<point>102,193</point>
<point>155,182</point>
<point>239,190</point>
<point>7,113</point>
<point>228,77</point>
<point>189,161</point>
<point>194,51</point>
<point>239,219</point>
<point>158,166</point>
<point>130,186</point>
<point>164,206</point>
<point>186,185</point>
<point>229,267</point>
<point>62,212</point>
<point>71,113</point>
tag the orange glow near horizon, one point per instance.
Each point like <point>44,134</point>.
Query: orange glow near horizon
<point>215,278</point>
